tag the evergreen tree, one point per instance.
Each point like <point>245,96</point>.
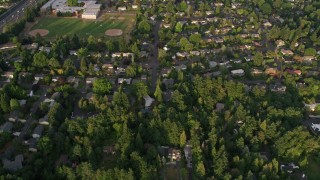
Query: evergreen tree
<point>158,92</point>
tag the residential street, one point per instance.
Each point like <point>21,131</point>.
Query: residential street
<point>10,150</point>
<point>33,111</point>
<point>155,62</point>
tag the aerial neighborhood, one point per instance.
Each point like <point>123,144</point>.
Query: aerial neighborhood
<point>169,89</point>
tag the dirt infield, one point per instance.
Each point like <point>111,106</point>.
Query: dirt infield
<point>114,32</point>
<point>42,32</point>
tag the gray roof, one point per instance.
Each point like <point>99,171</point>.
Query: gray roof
<point>6,127</point>
<point>13,165</point>
<point>38,130</point>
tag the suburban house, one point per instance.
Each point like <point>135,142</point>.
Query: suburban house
<point>293,71</point>
<point>14,165</point>
<point>126,80</point>
<point>89,96</point>
<point>286,52</point>
<point>6,127</point>
<point>168,83</point>
<point>237,72</point>
<point>148,101</point>
<point>271,71</point>
<point>37,77</point>
<point>122,8</point>
<point>289,168</point>
<point>212,64</point>
<point>181,54</point>
<point>8,74</point>
<point>308,58</point>
<point>219,107</point>
<point>165,72</point>
<point>256,71</point>
<point>267,24</point>
<point>32,145</point>
<point>167,95</point>
<point>280,43</point>
<point>278,88</point>
<point>180,67</point>
<point>174,154</point>
<point>90,80</point>
<point>13,117</point>
<point>109,149</point>
<point>311,107</point>
<point>44,120</point>
<point>37,132</point>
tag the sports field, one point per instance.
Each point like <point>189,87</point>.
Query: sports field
<point>68,26</point>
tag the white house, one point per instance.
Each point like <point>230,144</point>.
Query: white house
<point>237,72</point>
<point>38,131</point>
<point>148,100</point>
<point>122,8</point>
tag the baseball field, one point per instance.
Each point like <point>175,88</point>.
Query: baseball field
<point>106,26</point>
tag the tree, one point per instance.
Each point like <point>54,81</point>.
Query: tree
<point>144,26</point>
<point>14,104</point>
<point>178,100</point>
<point>190,10</point>
<point>266,9</point>
<point>102,86</point>
<point>69,66</point>
<point>296,145</point>
<point>201,171</point>
<point>183,6</point>
<point>183,139</point>
<point>158,92</point>
<point>30,14</point>
<point>110,46</point>
<point>40,60</point>
<point>258,59</point>
<point>138,142</point>
<point>140,90</point>
<point>45,145</point>
<point>188,47</point>
<point>310,52</point>
<point>120,99</point>
<point>131,71</point>
<point>72,2</point>
<point>183,42</point>
<point>178,27</point>
<point>170,7</point>
<point>83,66</point>
<point>135,49</point>
<point>220,161</point>
<point>54,63</point>
<point>195,38</point>
<point>82,53</point>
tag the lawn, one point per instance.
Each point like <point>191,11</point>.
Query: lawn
<point>83,28</point>
<point>313,168</point>
<point>171,173</point>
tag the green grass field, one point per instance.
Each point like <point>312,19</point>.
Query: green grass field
<point>83,28</point>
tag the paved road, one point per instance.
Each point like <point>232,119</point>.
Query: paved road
<point>155,62</point>
<point>16,12</point>
<point>33,110</point>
